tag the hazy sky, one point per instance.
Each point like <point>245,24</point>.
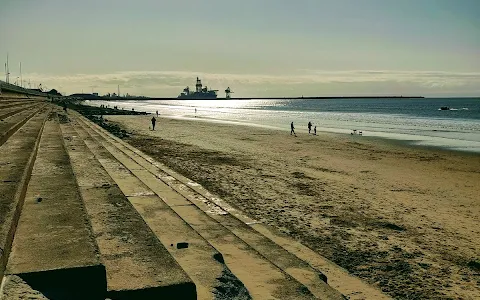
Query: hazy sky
<point>257,47</point>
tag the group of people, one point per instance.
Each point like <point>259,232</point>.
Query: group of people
<point>292,129</point>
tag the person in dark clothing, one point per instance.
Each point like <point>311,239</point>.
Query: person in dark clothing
<point>153,123</point>
<point>292,129</point>
<point>315,130</point>
<point>157,113</point>
<point>309,127</point>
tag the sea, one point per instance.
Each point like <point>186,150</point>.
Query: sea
<point>414,121</point>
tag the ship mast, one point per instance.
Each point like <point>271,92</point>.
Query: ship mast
<point>198,85</point>
<point>7,71</point>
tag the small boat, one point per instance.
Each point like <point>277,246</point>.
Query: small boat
<point>444,108</point>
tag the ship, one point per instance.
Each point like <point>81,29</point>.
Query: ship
<point>200,92</point>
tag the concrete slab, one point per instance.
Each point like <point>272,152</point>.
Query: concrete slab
<point>166,193</point>
<point>124,164</point>
<point>338,279</point>
<point>211,276</point>
<point>130,185</point>
<point>16,163</point>
<point>262,279</point>
<point>170,178</point>
<point>53,241</point>
<point>315,280</point>
<point>11,124</point>
<point>135,260</point>
<point>11,110</point>
<point>297,268</point>
<point>244,261</point>
<point>138,265</point>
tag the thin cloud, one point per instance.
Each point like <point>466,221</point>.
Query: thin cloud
<point>168,82</point>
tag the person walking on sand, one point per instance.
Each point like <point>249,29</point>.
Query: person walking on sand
<point>309,127</point>
<point>315,130</point>
<point>153,123</point>
<point>292,129</point>
<point>157,113</point>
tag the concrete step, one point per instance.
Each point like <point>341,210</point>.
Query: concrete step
<point>293,257</point>
<point>15,103</point>
<point>6,99</point>
<point>244,261</point>
<point>12,104</point>
<point>138,266</point>
<point>211,276</point>
<point>237,224</point>
<point>54,251</point>
<point>339,279</point>
<point>7,96</point>
<point>10,111</point>
<point>15,288</point>
<point>9,125</point>
<point>16,163</point>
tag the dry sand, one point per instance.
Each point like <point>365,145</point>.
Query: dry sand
<point>405,219</point>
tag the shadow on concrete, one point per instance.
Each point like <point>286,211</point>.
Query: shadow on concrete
<point>73,283</point>
<point>179,291</point>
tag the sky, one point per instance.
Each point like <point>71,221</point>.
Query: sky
<point>258,48</point>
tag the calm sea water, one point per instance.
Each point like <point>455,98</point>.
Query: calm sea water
<point>417,121</point>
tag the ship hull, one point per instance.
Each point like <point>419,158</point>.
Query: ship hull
<point>195,96</point>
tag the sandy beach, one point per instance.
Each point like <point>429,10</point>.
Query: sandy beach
<point>405,219</point>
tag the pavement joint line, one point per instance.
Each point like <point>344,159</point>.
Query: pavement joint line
<point>148,193</point>
<point>95,185</point>
<point>179,205</point>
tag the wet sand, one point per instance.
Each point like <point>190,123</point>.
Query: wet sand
<point>405,219</point>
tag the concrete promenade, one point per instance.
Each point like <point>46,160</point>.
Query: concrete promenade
<point>84,215</point>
